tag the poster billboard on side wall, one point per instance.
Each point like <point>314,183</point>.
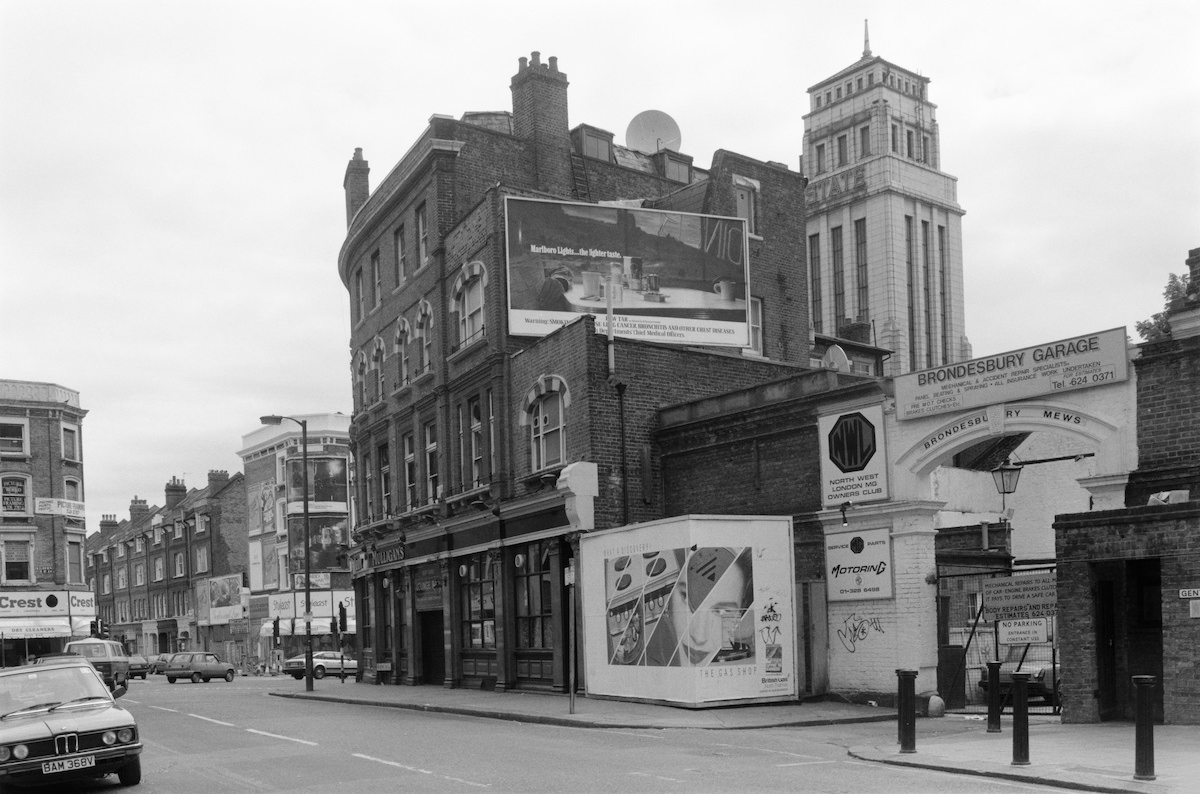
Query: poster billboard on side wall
<point>692,609</point>
<point>673,277</point>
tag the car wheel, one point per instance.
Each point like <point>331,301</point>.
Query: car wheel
<point>170,679</point>
<point>197,678</point>
<point>297,676</point>
<point>131,773</point>
<point>229,676</point>
<point>318,672</point>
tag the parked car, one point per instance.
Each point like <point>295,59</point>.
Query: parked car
<point>59,722</point>
<point>107,656</point>
<point>158,662</point>
<point>139,666</point>
<point>1045,682</point>
<point>197,666</point>
<point>324,663</point>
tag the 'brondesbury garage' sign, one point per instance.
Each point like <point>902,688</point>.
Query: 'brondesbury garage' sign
<point>1088,360</point>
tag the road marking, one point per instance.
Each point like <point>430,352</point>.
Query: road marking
<point>210,719</point>
<point>807,763</point>
<point>164,708</point>
<point>407,768</point>
<point>656,777</point>
<point>816,758</point>
<point>285,738</point>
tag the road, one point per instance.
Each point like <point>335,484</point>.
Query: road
<point>222,737</point>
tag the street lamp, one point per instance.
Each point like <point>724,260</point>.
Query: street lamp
<point>1006,475</point>
<point>308,654</point>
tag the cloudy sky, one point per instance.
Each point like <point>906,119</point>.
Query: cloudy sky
<point>171,201</point>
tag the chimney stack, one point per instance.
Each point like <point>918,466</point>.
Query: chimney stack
<point>539,94</point>
<point>174,492</point>
<point>217,481</point>
<point>108,523</point>
<point>137,510</point>
<point>356,184</point>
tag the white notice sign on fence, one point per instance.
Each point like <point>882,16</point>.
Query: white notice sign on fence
<point>1021,597</point>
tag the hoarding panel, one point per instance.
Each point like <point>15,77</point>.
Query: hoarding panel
<point>692,610</point>
<point>671,277</point>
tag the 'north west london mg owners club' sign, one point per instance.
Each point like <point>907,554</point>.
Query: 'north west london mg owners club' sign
<point>853,458</point>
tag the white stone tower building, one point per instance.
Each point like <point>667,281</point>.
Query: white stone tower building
<point>884,225</point>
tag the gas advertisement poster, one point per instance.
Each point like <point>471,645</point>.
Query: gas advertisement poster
<point>694,609</point>
<point>673,277</point>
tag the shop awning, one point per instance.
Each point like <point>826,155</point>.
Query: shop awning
<point>38,627</point>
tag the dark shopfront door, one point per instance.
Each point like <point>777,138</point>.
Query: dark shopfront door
<point>433,647</point>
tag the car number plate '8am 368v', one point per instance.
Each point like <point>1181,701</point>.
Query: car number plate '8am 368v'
<point>68,764</point>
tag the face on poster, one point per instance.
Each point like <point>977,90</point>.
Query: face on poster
<point>672,277</point>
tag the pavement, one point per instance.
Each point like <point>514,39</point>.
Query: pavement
<point>1091,757</point>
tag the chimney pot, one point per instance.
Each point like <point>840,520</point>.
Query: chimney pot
<point>537,58</point>
<point>522,63</point>
<point>553,63</point>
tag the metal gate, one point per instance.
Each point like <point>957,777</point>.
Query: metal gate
<point>967,642</point>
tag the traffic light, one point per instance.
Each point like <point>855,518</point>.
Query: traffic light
<point>342,618</point>
<point>275,628</point>
<point>93,629</point>
<point>103,630</point>
<point>333,627</point>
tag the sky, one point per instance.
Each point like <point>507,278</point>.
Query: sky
<point>171,203</point>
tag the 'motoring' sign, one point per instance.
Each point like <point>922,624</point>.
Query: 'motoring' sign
<point>853,458</point>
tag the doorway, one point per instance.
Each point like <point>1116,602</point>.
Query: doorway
<point>433,647</point>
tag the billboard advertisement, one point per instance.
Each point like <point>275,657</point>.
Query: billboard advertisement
<point>672,277</point>
<point>693,609</point>
<point>328,485</point>
<point>224,598</point>
<point>329,537</point>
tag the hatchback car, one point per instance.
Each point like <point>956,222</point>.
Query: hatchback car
<point>1045,679</point>
<point>197,666</point>
<point>158,662</point>
<point>139,667</point>
<point>58,722</point>
<point>324,663</point>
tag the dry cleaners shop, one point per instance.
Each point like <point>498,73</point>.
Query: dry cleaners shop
<point>37,622</point>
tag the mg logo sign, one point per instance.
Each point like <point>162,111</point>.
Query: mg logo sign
<point>852,442</point>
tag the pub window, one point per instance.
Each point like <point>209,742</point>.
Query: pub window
<point>546,431</point>
<point>376,281</point>
<point>470,311</point>
<point>384,462</point>
<point>410,470</point>
<point>533,582</point>
<point>432,490</point>
<point>14,437</point>
<point>422,238</point>
<point>360,305</point>
<point>477,583</point>
<point>475,440</point>
<point>400,244</point>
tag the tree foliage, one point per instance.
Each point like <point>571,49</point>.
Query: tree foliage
<point>1176,295</point>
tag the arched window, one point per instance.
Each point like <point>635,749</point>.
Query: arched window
<point>403,335</point>
<point>545,413</point>
<point>468,293</point>
<point>380,381</point>
<point>424,339</point>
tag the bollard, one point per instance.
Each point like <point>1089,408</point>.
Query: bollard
<point>1143,764</point>
<point>1020,707</point>
<point>994,701</point>
<point>906,705</point>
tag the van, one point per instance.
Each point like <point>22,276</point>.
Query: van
<point>107,656</point>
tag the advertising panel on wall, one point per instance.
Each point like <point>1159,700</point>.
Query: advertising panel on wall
<point>671,277</point>
<point>858,565</point>
<point>1096,359</point>
<point>328,486</point>
<point>329,537</point>
<point>696,610</point>
<point>224,598</point>
<point>853,456</point>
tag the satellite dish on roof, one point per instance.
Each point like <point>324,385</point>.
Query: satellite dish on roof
<point>652,131</point>
<point>835,358</point>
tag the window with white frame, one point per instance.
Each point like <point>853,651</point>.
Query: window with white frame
<point>177,530</point>
<point>475,440</point>
<point>360,301</point>
<point>425,340</point>
<point>470,311</point>
<point>380,377</point>
<point>202,524</point>
<point>120,550</point>
<point>383,463</point>
<point>159,571</point>
<point>376,281</point>
<point>18,555</point>
<point>756,326</point>
<point>122,579</point>
<point>75,559</point>
<point>422,237</point>
<point>15,493</point>
<point>14,437</point>
<point>546,436</point>
<point>403,375</point>
<point>400,243</point>
<point>105,584</point>
<point>180,564</point>
<point>139,574</point>
<point>158,535</point>
<point>432,491</point>
<point>70,443</point>
<point>746,192</point>
<point>138,545</point>
<point>410,470</point>
<point>201,559</point>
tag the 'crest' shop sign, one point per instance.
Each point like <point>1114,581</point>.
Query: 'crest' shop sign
<point>853,458</point>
